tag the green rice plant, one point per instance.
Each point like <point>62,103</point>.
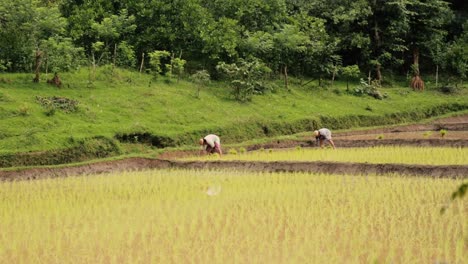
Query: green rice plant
<point>380,154</point>
<point>443,132</point>
<point>180,216</point>
<point>427,134</point>
<point>232,151</point>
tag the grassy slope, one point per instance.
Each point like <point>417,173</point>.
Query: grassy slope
<point>131,102</point>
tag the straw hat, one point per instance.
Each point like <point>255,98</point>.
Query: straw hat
<point>316,133</point>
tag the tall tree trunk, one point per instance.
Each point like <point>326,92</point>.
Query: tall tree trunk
<point>114,59</point>
<point>333,76</point>
<point>416,57</point>
<point>37,67</point>
<point>92,69</point>
<point>286,83</point>
<point>378,72</point>
<point>378,44</point>
<point>417,82</point>
<point>142,61</point>
<point>437,76</point>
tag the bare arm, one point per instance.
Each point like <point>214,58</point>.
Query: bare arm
<point>218,149</point>
<point>332,143</point>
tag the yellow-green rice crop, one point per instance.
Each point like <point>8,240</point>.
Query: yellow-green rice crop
<point>381,154</point>
<point>180,216</point>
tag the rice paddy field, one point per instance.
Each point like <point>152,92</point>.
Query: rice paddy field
<point>207,216</point>
<point>378,154</point>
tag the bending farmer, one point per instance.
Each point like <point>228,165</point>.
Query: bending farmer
<point>323,135</point>
<point>211,143</point>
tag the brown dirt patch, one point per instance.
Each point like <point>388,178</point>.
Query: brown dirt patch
<point>133,164</point>
<point>409,135</point>
<point>451,124</point>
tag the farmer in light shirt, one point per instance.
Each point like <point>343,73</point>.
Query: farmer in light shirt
<point>323,135</point>
<point>211,143</point>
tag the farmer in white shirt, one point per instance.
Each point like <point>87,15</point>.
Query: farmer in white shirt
<point>211,143</point>
<point>324,135</point>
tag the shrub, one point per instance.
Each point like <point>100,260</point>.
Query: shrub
<point>246,78</point>
<point>371,89</point>
<point>449,89</point>
<point>62,103</point>
<point>24,110</point>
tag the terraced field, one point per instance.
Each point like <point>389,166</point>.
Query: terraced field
<point>289,204</point>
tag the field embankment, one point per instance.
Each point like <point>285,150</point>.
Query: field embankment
<point>136,164</point>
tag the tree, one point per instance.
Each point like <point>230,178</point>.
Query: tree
<point>61,55</point>
<point>426,20</point>
<point>178,65</point>
<point>350,72</point>
<point>24,25</point>
<point>456,56</point>
<point>155,60</point>
<point>290,43</point>
<point>246,77</point>
<point>388,24</point>
<point>220,39</point>
<point>200,78</point>
<point>347,25</point>
<point>108,34</point>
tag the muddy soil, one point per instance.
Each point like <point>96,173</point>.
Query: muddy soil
<point>416,135</point>
<point>137,164</point>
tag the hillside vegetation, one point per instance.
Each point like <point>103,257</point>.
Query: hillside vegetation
<point>134,107</point>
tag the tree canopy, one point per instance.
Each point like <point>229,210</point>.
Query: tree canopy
<point>297,37</point>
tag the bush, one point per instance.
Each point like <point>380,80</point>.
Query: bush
<point>55,102</point>
<point>449,89</point>
<point>246,78</point>
<point>371,89</point>
<point>24,110</point>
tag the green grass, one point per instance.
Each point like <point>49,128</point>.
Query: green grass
<point>381,154</point>
<point>130,102</point>
<point>186,216</point>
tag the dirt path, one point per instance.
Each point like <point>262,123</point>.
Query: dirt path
<point>135,164</point>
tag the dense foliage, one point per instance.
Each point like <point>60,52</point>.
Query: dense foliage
<point>315,38</point>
